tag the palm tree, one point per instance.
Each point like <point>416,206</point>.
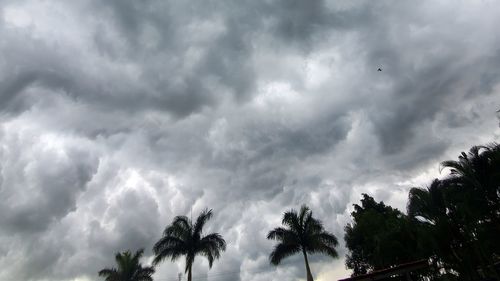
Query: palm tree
<point>477,174</point>
<point>444,207</point>
<point>428,203</point>
<point>478,171</point>
<point>301,233</point>
<point>129,268</point>
<point>431,209</point>
<point>183,238</point>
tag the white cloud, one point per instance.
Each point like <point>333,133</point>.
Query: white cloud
<point>117,116</point>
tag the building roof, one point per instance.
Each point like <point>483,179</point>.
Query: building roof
<point>388,272</point>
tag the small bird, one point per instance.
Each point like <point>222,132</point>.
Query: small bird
<point>380,69</point>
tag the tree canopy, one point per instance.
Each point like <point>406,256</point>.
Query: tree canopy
<point>185,238</point>
<point>454,223</point>
<point>380,237</point>
<point>129,268</point>
<point>302,233</point>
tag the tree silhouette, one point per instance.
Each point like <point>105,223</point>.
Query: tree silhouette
<point>454,223</point>
<point>462,213</point>
<point>129,268</point>
<point>380,237</point>
<point>476,178</point>
<point>478,172</point>
<point>301,233</point>
<point>183,238</point>
<point>430,208</point>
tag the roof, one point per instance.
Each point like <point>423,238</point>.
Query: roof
<point>388,272</point>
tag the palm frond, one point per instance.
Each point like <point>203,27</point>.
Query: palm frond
<point>324,249</point>
<point>145,274</point>
<point>123,260</point>
<point>137,256</point>
<point>291,219</point>
<point>108,272</point>
<point>281,234</point>
<point>129,268</point>
<point>213,241</point>
<point>312,225</point>
<point>168,242</point>
<point>327,238</point>
<point>180,227</point>
<point>211,246</point>
<point>418,203</point>
<point>303,214</point>
<point>282,251</point>
<point>202,219</point>
<point>172,251</point>
<point>209,254</point>
<point>454,166</point>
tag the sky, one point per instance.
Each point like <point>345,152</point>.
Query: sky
<point>118,115</point>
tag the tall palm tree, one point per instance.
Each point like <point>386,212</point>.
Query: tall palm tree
<point>185,238</point>
<point>301,233</point>
<point>129,268</point>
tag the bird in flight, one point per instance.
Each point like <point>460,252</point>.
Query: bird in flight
<point>380,69</point>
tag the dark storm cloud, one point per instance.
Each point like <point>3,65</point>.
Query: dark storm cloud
<point>117,116</point>
<point>431,72</point>
<point>215,51</point>
<point>422,93</point>
<point>45,189</point>
<point>59,71</point>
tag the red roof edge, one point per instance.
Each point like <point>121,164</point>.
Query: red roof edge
<point>383,273</point>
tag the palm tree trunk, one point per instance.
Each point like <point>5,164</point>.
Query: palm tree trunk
<point>309,275</point>
<point>189,273</point>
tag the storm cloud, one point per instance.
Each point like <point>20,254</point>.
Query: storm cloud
<point>118,115</point>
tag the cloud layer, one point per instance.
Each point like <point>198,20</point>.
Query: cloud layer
<point>118,115</point>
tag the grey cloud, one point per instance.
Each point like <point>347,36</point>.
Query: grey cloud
<point>300,21</point>
<point>224,64</point>
<point>40,65</point>
<point>141,209</point>
<point>40,254</point>
<point>155,108</point>
<point>46,187</point>
<point>260,155</point>
<point>429,74</point>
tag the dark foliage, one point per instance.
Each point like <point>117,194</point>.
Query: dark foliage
<point>454,223</point>
<point>462,213</point>
<point>129,268</point>
<point>301,234</point>
<point>381,237</point>
<point>185,238</point>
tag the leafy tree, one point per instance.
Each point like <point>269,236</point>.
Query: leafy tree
<point>185,238</point>
<point>129,268</point>
<point>301,233</point>
<point>455,222</point>
<point>381,237</point>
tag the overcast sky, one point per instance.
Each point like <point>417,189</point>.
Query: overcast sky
<point>117,115</point>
